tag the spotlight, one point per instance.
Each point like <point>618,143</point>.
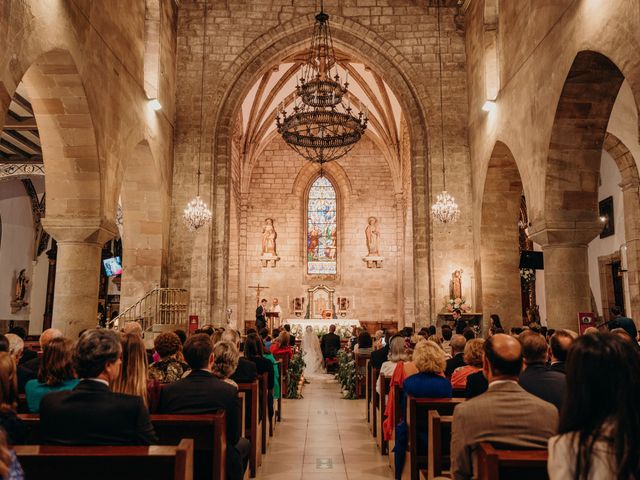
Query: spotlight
<point>603,219</point>
<point>489,106</point>
<point>155,104</point>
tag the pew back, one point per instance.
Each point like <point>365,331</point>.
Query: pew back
<point>41,462</point>
<point>439,444</point>
<point>253,425</point>
<point>494,464</point>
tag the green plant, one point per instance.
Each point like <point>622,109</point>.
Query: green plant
<point>347,374</point>
<point>296,369</point>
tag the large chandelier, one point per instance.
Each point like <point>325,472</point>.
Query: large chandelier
<point>321,127</point>
<point>196,214</point>
<point>445,210</point>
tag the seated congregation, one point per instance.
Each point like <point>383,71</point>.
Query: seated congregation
<point>106,389</point>
<point>534,403</point>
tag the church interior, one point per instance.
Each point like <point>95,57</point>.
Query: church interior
<point>375,165</point>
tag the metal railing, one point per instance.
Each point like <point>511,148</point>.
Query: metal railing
<point>160,306</point>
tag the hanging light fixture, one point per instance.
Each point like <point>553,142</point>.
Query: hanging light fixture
<point>321,126</point>
<point>197,214</point>
<point>445,210</point>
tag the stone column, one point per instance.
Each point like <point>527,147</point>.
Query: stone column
<point>631,200</point>
<point>566,269</point>
<point>400,252</point>
<point>242,261</point>
<point>80,241</point>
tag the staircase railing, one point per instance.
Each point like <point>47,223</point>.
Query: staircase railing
<point>160,306</point>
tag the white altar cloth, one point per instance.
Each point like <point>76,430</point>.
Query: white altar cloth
<point>321,325</point>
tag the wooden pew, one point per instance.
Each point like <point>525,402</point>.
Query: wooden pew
<point>382,444</point>
<point>280,363</point>
<point>23,407</point>
<point>459,392</point>
<point>494,464</point>
<point>284,373</point>
<point>253,426</point>
<point>43,462</point>
<point>208,432</point>
<point>439,448</point>
<point>367,391</point>
<point>417,417</point>
<point>397,415</point>
<point>263,410</point>
<point>361,366</point>
<point>373,403</point>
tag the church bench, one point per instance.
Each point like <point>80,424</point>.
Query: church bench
<point>284,372</point>
<point>278,405</point>
<point>208,431</point>
<point>459,392</point>
<point>417,418</point>
<point>23,407</point>
<point>361,366</point>
<point>263,410</point>
<point>373,401</point>
<point>39,462</point>
<point>495,464</point>
<point>253,425</point>
<point>380,417</point>
<point>398,414</point>
<point>367,389</point>
<point>439,445</point>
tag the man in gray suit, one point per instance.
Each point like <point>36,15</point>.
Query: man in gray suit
<point>505,415</point>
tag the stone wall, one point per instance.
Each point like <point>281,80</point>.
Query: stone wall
<point>397,39</point>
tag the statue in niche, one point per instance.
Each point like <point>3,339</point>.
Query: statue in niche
<point>269,236</point>
<point>373,236</point>
<point>455,288</point>
<point>20,292</point>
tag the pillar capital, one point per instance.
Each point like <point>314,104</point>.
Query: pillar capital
<point>630,184</point>
<point>96,230</point>
<point>550,233</point>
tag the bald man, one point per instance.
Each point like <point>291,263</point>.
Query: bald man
<point>46,336</point>
<point>505,414</point>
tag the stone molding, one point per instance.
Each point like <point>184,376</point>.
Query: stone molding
<point>80,230</point>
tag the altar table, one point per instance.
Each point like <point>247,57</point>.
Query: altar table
<point>321,325</point>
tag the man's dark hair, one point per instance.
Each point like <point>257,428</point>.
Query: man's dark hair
<point>96,348</point>
<point>498,330</point>
<point>208,330</point>
<point>251,330</point>
<point>560,344</point>
<point>543,331</point>
<point>516,330</point>
<point>407,332</point>
<point>182,335</point>
<point>616,310</point>
<point>550,332</point>
<point>468,333</point>
<point>19,331</point>
<point>275,332</point>
<point>365,340</point>
<point>424,332</point>
<point>432,330</point>
<point>500,365</point>
<point>264,300</point>
<point>447,333</point>
<point>287,328</point>
<point>4,343</point>
<point>264,333</point>
<point>534,347</point>
<point>197,350</point>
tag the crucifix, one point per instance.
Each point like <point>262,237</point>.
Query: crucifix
<point>258,289</point>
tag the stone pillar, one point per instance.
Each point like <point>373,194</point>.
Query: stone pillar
<point>400,252</point>
<point>631,200</point>
<point>242,262</point>
<point>80,242</point>
<point>566,269</point>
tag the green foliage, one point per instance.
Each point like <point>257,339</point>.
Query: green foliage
<point>296,368</point>
<point>347,374</point>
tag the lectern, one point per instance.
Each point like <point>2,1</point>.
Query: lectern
<point>273,320</point>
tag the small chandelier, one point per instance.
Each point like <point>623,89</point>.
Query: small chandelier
<point>445,210</point>
<point>197,214</point>
<point>321,128</point>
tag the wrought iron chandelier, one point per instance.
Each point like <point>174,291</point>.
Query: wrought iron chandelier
<point>321,127</point>
<point>197,214</point>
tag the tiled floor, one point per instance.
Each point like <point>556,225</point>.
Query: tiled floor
<point>323,436</point>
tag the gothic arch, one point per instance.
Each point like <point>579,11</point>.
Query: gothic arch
<point>234,86</point>
<point>499,238</point>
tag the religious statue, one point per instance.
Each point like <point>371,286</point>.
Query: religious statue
<point>455,287</point>
<point>20,292</point>
<point>373,236</point>
<point>269,236</point>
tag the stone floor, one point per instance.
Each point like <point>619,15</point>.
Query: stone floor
<point>323,436</point>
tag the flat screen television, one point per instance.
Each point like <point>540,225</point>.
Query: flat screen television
<point>112,266</point>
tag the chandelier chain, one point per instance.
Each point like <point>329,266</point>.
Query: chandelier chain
<point>444,175</point>
<point>204,40</point>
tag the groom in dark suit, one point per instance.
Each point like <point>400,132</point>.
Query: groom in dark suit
<point>261,315</point>
<point>330,343</point>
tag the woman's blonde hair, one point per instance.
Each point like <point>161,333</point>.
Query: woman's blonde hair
<point>473,352</point>
<point>133,374</point>
<point>435,339</point>
<point>8,382</point>
<point>284,339</point>
<point>398,351</point>
<point>225,359</point>
<point>428,357</point>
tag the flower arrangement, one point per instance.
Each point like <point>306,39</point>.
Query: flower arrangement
<point>296,369</point>
<point>461,304</point>
<point>343,331</point>
<point>528,275</point>
<point>346,375</point>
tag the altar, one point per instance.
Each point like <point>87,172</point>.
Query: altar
<point>321,325</point>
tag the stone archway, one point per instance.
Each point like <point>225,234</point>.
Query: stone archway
<point>499,233</point>
<point>73,183</point>
<point>361,43</point>
<point>630,186</point>
<point>570,219</point>
<point>143,212</point>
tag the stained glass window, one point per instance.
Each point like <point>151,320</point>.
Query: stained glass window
<point>322,245</point>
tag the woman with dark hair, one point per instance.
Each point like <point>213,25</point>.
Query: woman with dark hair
<point>16,430</point>
<point>254,351</point>
<point>495,322</point>
<point>600,421</point>
<point>55,374</point>
<point>365,343</point>
<point>169,368</point>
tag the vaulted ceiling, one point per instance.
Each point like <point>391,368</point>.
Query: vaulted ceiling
<point>20,141</point>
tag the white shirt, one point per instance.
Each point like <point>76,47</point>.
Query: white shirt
<point>386,370</point>
<point>99,380</point>
<point>563,451</point>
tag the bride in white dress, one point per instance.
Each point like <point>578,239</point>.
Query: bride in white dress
<point>311,353</point>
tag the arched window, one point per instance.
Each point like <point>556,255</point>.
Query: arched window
<point>322,234</point>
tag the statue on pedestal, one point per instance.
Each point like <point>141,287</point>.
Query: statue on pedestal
<point>20,292</point>
<point>372,234</point>
<point>269,235</point>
